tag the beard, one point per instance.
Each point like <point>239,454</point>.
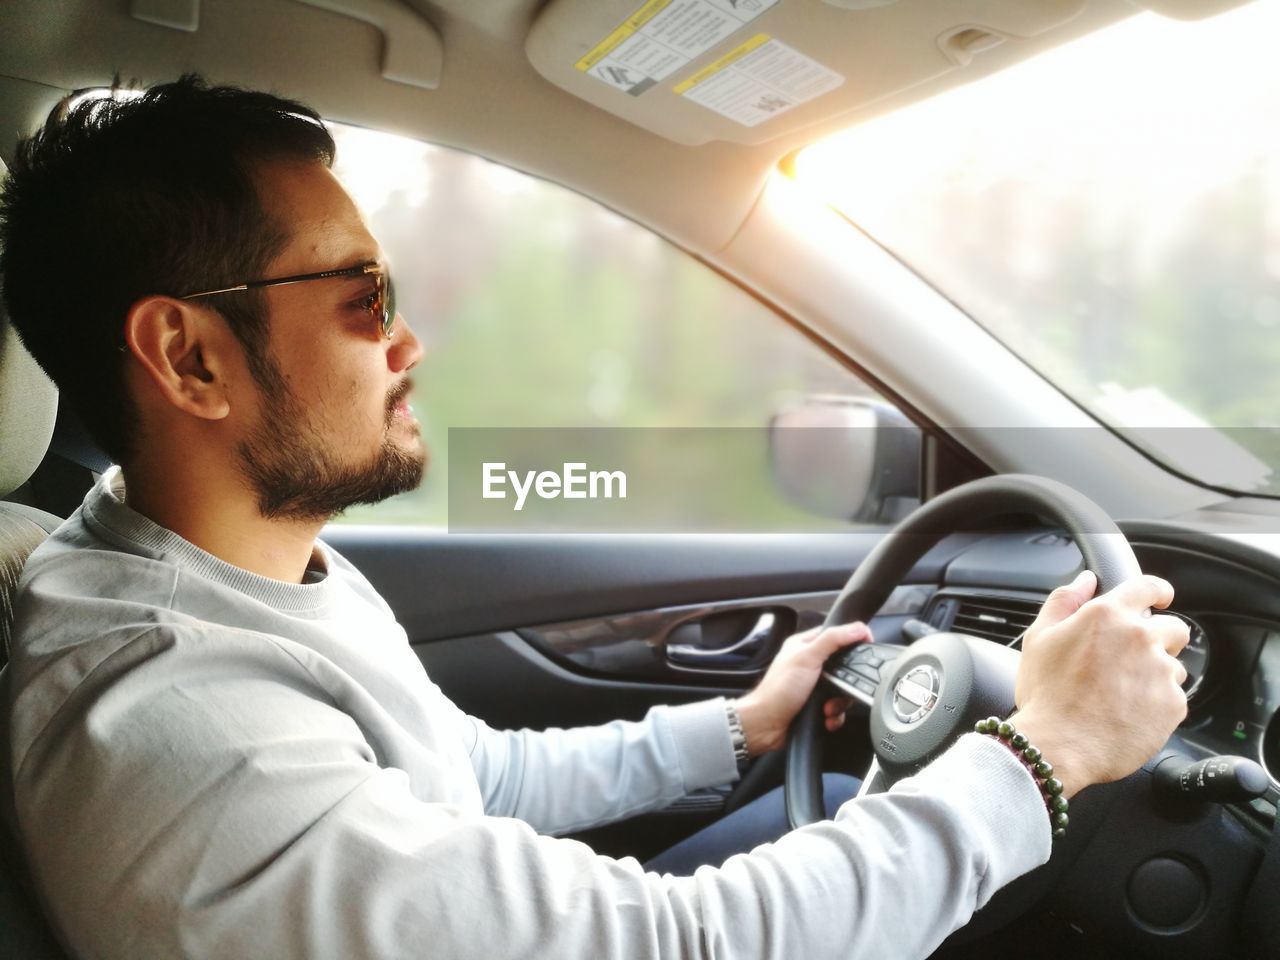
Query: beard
<point>295,475</point>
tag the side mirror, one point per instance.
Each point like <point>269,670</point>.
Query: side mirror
<point>851,458</point>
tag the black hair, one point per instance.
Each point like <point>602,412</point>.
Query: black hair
<point>117,198</point>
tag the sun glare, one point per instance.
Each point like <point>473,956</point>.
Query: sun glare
<point>1139,105</point>
<point>1110,211</point>
<point>377,168</point>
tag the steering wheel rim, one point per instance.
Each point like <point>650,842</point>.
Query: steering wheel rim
<point>1106,552</point>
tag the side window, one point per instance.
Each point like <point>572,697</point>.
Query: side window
<point>546,318</point>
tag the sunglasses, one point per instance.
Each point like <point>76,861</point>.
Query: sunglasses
<point>382,302</point>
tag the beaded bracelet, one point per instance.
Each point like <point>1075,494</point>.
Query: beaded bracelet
<point>1041,769</point>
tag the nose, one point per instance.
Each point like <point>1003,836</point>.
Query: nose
<point>406,349</point>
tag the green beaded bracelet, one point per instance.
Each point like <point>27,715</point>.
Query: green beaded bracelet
<point>1041,770</point>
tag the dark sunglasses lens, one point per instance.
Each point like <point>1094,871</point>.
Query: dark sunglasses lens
<point>388,304</point>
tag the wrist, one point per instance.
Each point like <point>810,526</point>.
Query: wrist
<point>758,726</point>
<point>1057,748</point>
<point>1037,764</point>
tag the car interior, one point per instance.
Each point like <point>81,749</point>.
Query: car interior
<point>688,120</point>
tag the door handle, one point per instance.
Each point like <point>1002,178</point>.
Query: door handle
<point>737,654</point>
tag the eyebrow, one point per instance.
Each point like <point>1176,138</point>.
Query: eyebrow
<point>361,277</point>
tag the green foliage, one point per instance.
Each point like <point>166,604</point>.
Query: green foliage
<point>541,309</point>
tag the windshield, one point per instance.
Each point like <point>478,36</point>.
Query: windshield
<point>1111,211</point>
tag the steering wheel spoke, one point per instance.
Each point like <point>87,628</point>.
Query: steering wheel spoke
<point>856,671</point>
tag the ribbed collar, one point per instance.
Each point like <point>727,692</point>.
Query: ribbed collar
<point>105,511</point>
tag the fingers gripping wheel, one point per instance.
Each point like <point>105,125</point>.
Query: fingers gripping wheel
<point>921,697</point>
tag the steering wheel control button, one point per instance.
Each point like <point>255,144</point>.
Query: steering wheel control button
<point>1166,894</point>
<point>857,671</point>
<point>916,693</point>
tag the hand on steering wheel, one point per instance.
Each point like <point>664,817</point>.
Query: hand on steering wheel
<point>767,711</point>
<point>1099,688</point>
<point>934,691</point>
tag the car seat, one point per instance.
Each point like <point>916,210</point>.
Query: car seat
<point>28,403</point>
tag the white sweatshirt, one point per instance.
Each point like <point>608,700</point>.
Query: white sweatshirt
<point>210,763</point>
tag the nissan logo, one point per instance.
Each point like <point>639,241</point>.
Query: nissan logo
<point>915,693</point>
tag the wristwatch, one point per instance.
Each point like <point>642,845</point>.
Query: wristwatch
<point>737,735</point>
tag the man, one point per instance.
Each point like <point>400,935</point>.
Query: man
<point>222,744</point>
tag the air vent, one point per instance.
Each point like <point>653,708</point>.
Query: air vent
<point>1002,619</point>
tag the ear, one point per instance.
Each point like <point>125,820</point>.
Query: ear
<point>180,347</point>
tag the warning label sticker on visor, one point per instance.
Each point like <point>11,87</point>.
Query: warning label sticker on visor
<point>662,37</point>
<point>759,80</point>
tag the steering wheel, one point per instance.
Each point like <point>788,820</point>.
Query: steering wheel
<point>923,697</point>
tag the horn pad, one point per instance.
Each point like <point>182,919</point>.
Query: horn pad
<point>935,691</point>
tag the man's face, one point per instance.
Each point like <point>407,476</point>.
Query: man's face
<point>332,428</point>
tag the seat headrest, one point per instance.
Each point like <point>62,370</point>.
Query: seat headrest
<point>28,405</point>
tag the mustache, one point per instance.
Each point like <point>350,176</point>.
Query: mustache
<point>398,393</point>
<point>396,396</point>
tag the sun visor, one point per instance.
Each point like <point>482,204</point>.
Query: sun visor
<point>1189,9</point>
<point>747,71</point>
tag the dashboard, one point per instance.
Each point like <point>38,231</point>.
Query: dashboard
<point>1233,708</point>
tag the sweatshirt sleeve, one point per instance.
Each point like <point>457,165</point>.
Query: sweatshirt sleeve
<point>212,801</point>
<point>560,781</point>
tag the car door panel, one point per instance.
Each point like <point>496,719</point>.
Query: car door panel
<point>560,630</point>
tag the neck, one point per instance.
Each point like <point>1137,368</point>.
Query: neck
<point>220,516</point>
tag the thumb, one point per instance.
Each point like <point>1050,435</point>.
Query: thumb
<point>831,639</point>
<point>1067,599</point>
